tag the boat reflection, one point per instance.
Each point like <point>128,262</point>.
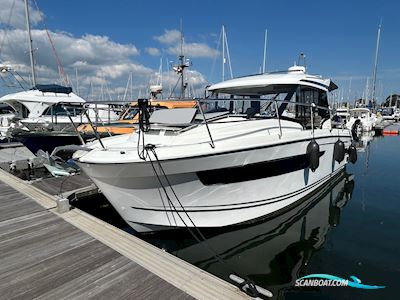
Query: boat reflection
<point>273,252</point>
<point>362,142</point>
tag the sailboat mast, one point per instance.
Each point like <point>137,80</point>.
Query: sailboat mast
<point>28,27</point>
<point>265,50</point>
<point>182,62</point>
<point>376,61</point>
<point>223,52</point>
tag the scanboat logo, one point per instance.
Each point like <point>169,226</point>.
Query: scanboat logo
<point>331,280</point>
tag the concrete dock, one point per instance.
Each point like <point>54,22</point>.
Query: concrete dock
<point>48,255</point>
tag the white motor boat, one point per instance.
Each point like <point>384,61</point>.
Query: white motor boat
<point>362,117</point>
<point>358,120</point>
<point>227,170</point>
<point>390,114</point>
<point>44,106</point>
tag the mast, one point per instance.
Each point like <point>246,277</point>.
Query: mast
<point>225,48</point>
<point>265,50</point>
<point>28,27</point>
<point>182,65</point>
<point>223,52</point>
<point>180,70</point>
<point>77,81</point>
<point>376,62</point>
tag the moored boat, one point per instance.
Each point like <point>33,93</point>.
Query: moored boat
<point>227,170</point>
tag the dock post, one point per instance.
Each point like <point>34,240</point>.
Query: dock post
<point>62,205</point>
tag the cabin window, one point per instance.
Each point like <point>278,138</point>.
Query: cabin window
<point>5,109</point>
<point>24,111</point>
<point>58,110</point>
<point>307,96</point>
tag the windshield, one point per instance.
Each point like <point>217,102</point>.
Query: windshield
<point>292,101</point>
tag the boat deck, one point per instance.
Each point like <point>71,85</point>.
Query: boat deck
<point>47,255</point>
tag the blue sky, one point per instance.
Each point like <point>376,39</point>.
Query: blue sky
<point>338,37</point>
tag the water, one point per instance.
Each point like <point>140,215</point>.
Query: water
<point>348,228</point>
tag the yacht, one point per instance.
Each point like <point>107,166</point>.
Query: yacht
<point>390,114</point>
<point>359,119</point>
<point>44,106</point>
<point>47,111</point>
<point>362,117</point>
<point>227,170</point>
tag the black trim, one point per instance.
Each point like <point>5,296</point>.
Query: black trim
<point>316,83</point>
<point>279,198</point>
<point>255,171</point>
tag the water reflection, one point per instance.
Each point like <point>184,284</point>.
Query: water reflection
<point>363,141</point>
<point>273,252</point>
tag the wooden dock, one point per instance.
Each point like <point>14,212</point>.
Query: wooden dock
<point>47,255</point>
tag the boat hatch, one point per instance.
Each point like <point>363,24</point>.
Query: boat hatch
<point>173,116</point>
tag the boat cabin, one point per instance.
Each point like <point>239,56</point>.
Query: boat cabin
<point>41,100</point>
<point>289,95</point>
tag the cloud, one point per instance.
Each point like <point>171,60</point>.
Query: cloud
<point>194,50</point>
<point>172,39</point>
<point>98,59</point>
<point>169,37</point>
<point>13,11</point>
<point>153,51</point>
<point>103,66</point>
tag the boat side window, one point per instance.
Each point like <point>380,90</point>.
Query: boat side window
<point>58,110</point>
<point>24,111</point>
<point>307,96</point>
<point>5,109</point>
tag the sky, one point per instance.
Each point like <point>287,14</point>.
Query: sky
<point>106,41</point>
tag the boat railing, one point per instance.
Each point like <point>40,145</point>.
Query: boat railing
<point>278,115</point>
<point>200,101</point>
<point>276,102</point>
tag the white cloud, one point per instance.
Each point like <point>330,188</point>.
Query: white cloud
<point>98,60</point>
<point>169,37</point>
<point>194,50</point>
<point>172,39</point>
<point>153,51</point>
<point>103,65</point>
<point>13,11</point>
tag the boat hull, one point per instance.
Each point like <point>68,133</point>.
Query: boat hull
<point>258,182</point>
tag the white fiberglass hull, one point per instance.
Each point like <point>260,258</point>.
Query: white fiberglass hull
<point>275,176</point>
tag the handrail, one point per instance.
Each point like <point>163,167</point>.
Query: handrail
<point>279,119</point>
<point>94,129</point>
<point>205,122</point>
<point>73,124</point>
